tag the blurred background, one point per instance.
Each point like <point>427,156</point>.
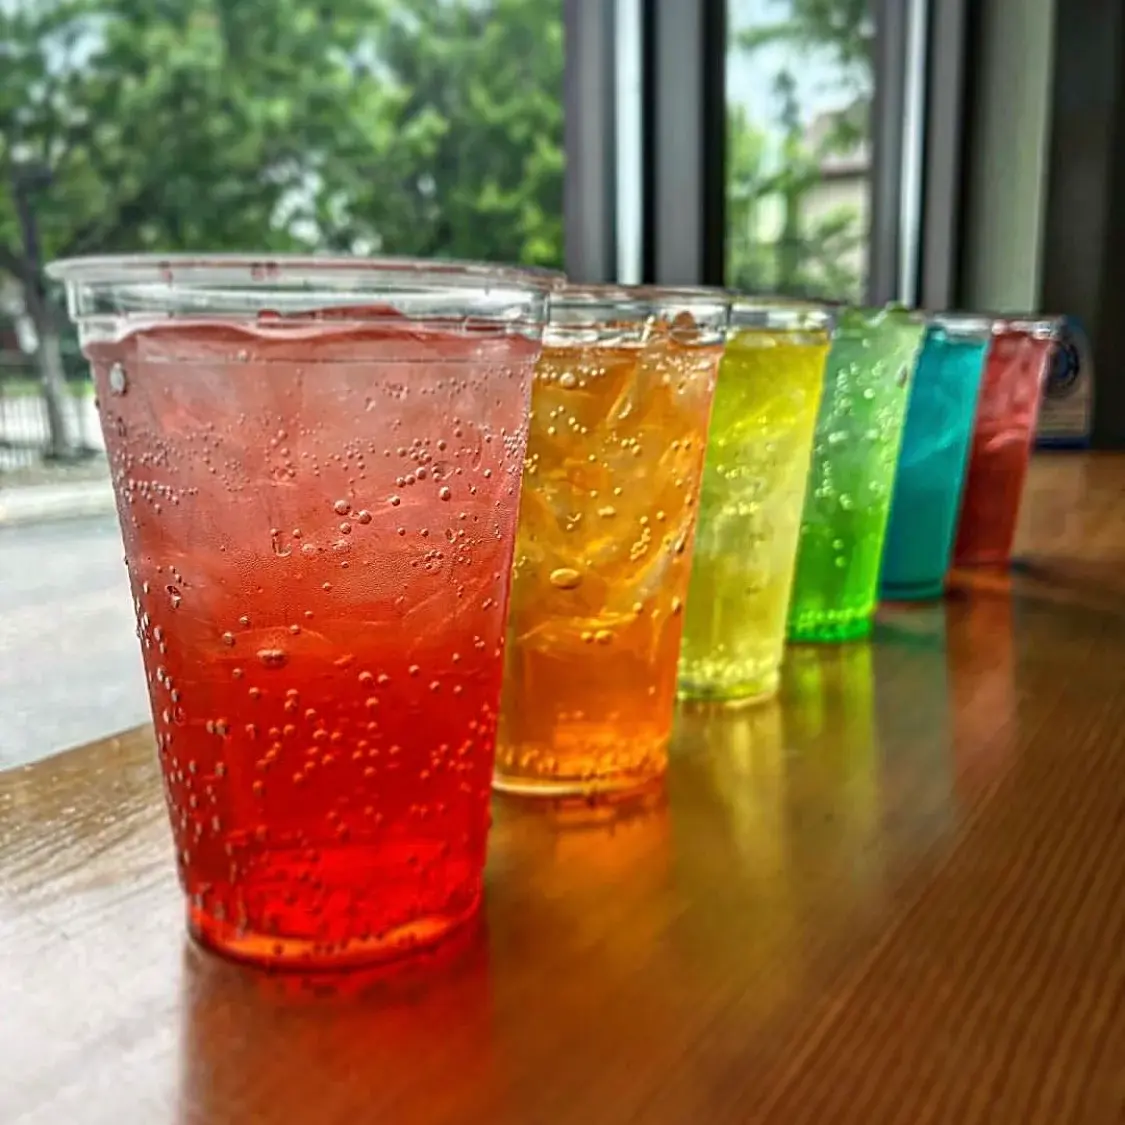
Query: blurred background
<point>945,153</point>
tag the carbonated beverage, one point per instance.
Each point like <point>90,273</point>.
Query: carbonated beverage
<point>621,401</point>
<point>750,509</point>
<point>931,465</point>
<point>855,450</point>
<point>318,505</point>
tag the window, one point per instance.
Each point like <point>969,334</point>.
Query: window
<point>418,127</point>
<point>800,82</point>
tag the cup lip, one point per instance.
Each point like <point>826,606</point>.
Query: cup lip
<point>901,313</point>
<point>963,323</point>
<point>273,271</point>
<point>1041,326</point>
<point>577,295</point>
<point>778,313</point>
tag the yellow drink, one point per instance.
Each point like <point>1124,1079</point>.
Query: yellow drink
<point>750,509</point>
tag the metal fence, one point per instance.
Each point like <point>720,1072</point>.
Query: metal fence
<point>24,431</point>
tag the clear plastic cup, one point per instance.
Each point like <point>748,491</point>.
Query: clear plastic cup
<point>932,462</point>
<point>1015,374</point>
<point>757,467</point>
<point>620,408</point>
<point>317,469</point>
<point>855,451</point>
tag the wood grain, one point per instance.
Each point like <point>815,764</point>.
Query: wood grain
<point>897,895</point>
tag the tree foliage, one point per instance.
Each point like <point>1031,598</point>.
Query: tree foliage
<point>803,254</point>
<point>427,127</point>
<point>843,28</point>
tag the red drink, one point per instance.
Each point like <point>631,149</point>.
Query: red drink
<point>319,517</point>
<point>1011,390</point>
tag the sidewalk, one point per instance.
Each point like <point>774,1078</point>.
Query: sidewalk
<point>39,503</point>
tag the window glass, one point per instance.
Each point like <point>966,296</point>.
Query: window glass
<point>800,79</point>
<point>418,127</point>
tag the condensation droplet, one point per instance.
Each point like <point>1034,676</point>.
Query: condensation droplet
<point>273,657</point>
<point>117,379</point>
<point>444,494</point>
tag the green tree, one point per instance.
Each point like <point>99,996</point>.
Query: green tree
<point>811,253</point>
<point>475,166</point>
<point>406,126</point>
<point>845,31</point>
<point>845,28</point>
<point>750,262</point>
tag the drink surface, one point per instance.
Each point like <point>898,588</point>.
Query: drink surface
<point>931,465</point>
<point>750,512</point>
<point>1010,395</point>
<point>318,523</point>
<point>615,454</point>
<point>855,449</point>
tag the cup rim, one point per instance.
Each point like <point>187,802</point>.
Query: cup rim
<point>964,323</point>
<point>1039,326</point>
<point>902,314</point>
<point>779,313</point>
<point>272,271</point>
<point>577,295</point>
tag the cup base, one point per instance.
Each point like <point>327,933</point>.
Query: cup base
<point>744,694</point>
<point>831,632</point>
<point>611,788</point>
<point>913,591</point>
<point>301,954</point>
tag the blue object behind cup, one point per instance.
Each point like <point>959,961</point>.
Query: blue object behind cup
<point>931,466</point>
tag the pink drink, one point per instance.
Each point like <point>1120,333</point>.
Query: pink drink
<point>319,517</point>
<point>1012,388</point>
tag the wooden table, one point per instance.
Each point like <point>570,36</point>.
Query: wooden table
<point>896,896</point>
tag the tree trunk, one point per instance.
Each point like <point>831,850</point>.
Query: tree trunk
<point>52,378</point>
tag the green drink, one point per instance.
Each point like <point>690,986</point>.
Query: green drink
<point>757,465</point>
<point>855,451</point>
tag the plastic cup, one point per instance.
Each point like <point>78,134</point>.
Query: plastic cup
<point>620,408</point>
<point>317,466</point>
<point>1011,392</point>
<point>855,451</point>
<point>931,464</point>
<point>754,481</point>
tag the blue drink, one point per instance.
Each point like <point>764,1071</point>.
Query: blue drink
<point>935,449</point>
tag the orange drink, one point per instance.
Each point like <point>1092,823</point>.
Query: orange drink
<point>620,406</point>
